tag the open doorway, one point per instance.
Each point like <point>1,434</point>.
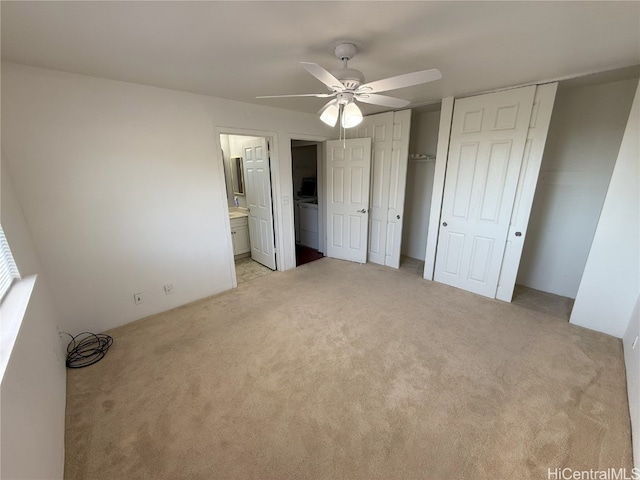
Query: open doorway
<point>306,170</point>
<point>246,161</point>
<point>423,142</point>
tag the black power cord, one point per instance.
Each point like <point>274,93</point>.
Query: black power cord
<point>87,348</point>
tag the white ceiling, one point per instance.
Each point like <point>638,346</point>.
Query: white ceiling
<point>238,50</point>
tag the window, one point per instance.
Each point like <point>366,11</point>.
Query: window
<point>8,270</point>
<point>15,293</point>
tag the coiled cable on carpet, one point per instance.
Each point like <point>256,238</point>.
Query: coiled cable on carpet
<point>87,348</point>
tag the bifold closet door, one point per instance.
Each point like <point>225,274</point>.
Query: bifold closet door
<point>488,136</point>
<point>529,173</point>
<point>389,134</point>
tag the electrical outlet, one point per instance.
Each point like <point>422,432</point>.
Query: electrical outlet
<point>137,298</point>
<point>635,342</point>
<point>168,288</point>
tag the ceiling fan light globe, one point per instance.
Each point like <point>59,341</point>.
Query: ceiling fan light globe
<point>330,115</point>
<point>351,116</point>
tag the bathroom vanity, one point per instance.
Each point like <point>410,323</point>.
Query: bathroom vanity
<point>239,219</point>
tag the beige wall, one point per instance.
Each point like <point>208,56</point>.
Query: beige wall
<point>33,388</point>
<point>609,291</point>
<point>123,188</point>
<point>583,141</point>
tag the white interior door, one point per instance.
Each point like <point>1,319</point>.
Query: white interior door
<point>255,154</point>
<point>397,186</point>
<point>532,159</point>
<point>488,135</point>
<point>389,133</point>
<point>379,129</point>
<point>348,168</point>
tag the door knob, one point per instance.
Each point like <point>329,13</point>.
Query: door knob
<point>444,224</point>
<point>398,217</point>
<point>364,210</point>
<point>518,234</point>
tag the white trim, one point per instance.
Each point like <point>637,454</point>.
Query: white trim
<point>574,76</point>
<point>225,201</point>
<point>12,311</point>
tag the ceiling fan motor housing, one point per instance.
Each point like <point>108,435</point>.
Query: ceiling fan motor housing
<point>349,77</point>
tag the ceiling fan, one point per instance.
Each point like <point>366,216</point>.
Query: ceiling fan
<point>346,86</point>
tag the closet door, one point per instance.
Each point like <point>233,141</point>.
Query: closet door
<point>389,133</point>
<point>529,172</point>
<point>379,129</point>
<point>488,136</point>
<point>397,186</point>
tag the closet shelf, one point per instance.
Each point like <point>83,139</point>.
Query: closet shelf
<point>422,157</point>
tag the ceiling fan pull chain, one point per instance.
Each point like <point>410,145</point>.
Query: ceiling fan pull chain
<point>342,136</point>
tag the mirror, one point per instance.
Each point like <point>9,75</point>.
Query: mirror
<point>237,175</point>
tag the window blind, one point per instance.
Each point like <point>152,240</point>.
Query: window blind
<point>8,270</point>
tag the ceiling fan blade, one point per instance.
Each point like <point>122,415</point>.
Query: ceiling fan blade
<point>323,75</point>
<point>401,81</point>
<point>320,95</point>
<point>383,100</point>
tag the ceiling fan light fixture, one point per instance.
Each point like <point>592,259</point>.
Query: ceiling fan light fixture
<point>330,115</point>
<point>351,115</point>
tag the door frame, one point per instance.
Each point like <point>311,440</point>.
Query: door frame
<point>322,221</point>
<point>274,166</point>
<point>320,146</point>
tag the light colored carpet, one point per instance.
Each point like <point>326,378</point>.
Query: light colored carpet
<point>552,305</point>
<point>337,370</point>
<point>412,264</point>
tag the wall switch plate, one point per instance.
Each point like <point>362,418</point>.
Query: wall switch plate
<point>137,298</point>
<point>168,288</point>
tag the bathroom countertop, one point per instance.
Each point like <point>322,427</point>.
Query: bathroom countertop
<point>238,212</point>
